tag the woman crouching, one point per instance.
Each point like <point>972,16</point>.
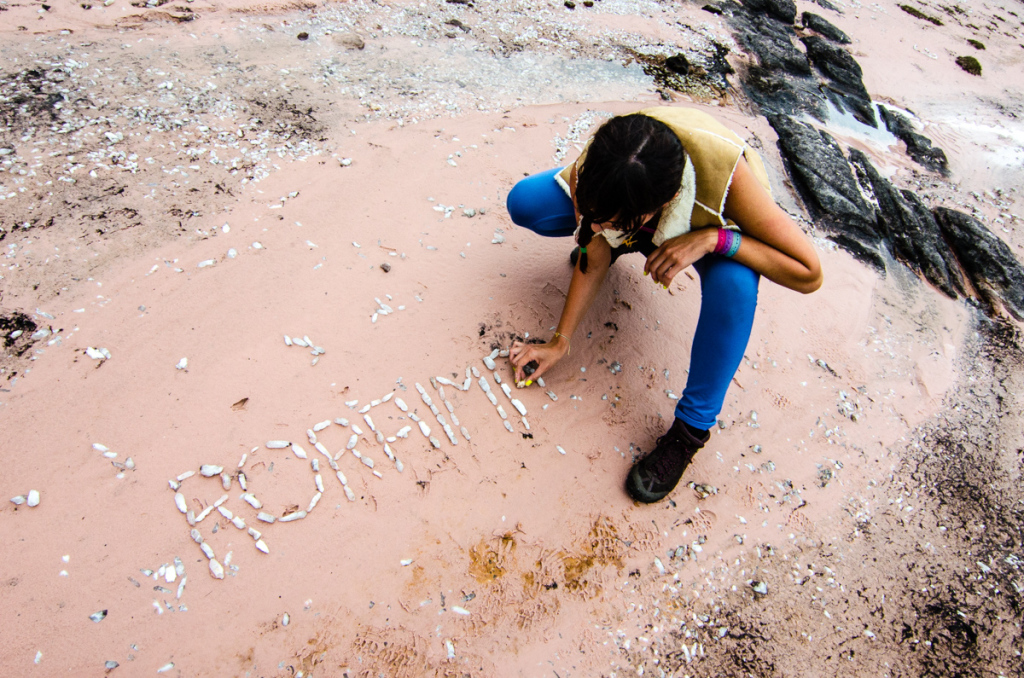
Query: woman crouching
<point>682,189</point>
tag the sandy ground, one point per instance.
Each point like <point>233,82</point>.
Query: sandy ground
<point>197,189</point>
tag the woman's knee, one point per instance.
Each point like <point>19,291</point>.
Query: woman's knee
<point>520,206</point>
<point>730,285</point>
<point>728,275</point>
<point>539,204</point>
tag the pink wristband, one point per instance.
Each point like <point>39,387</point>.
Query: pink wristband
<point>723,242</point>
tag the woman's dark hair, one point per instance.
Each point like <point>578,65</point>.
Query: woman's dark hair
<point>633,167</point>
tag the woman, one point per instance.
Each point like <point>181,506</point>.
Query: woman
<point>681,188</point>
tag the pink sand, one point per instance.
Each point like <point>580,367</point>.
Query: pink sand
<point>488,525</point>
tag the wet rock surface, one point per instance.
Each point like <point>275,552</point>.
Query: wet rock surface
<point>826,182</point>
<point>771,41</point>
<point>919,147</point>
<point>783,10</point>
<point>910,229</point>
<point>821,26</point>
<point>988,261</point>
<point>862,211</point>
<point>844,75</point>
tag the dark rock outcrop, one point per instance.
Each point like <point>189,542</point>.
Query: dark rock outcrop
<point>828,187</point>
<point>919,147</point>
<point>865,212</point>
<point>988,261</point>
<point>771,41</point>
<point>778,92</point>
<point>783,10</point>
<point>821,26</point>
<point>910,229</point>
<point>845,74</point>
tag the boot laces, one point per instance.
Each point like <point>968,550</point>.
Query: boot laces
<point>666,463</point>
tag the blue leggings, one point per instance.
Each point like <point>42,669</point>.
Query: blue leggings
<point>723,328</point>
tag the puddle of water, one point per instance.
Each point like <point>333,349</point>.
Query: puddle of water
<point>843,124</point>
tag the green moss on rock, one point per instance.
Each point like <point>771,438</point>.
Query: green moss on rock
<point>914,12</point>
<point>969,64</point>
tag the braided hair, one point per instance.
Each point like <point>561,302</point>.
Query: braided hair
<point>633,167</point>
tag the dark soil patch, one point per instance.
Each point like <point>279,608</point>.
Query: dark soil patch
<point>31,96</point>
<point>13,322</point>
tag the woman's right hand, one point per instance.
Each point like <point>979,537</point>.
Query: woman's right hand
<point>546,356</point>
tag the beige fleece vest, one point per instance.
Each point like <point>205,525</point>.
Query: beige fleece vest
<point>713,151</point>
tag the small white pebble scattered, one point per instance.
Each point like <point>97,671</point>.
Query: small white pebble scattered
<point>559,448</point>
<point>251,500</point>
<point>182,364</point>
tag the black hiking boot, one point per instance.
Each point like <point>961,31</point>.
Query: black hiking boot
<point>657,474</point>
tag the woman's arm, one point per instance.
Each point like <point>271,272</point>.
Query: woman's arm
<point>773,245</point>
<point>583,289</point>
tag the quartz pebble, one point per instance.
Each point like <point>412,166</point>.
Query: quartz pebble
<point>298,515</point>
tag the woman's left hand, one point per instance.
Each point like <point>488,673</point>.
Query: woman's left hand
<point>675,254</point>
